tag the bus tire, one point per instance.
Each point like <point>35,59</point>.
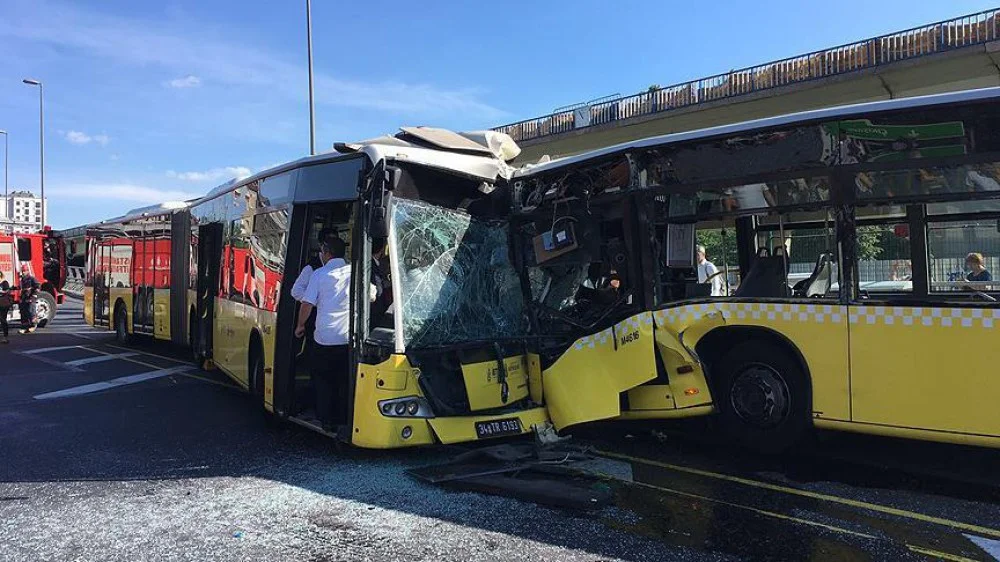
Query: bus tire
<point>121,325</point>
<point>45,308</point>
<point>255,372</point>
<point>763,397</point>
<point>194,341</point>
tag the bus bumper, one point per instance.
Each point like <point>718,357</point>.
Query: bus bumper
<point>390,433</point>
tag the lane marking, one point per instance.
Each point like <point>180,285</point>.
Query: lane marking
<point>47,349</point>
<point>991,546</point>
<point>105,385</point>
<point>81,335</point>
<point>913,548</point>
<point>49,361</point>
<point>128,358</point>
<point>812,495</point>
<point>164,357</point>
<point>757,510</point>
<point>99,358</point>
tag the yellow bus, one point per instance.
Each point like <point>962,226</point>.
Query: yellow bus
<point>802,271</point>
<point>444,362</point>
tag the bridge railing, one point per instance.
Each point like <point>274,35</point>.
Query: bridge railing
<point>937,37</point>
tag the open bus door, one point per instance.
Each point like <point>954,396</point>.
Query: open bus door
<point>207,286</point>
<point>102,283</point>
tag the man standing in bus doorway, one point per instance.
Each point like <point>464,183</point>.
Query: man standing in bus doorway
<point>26,301</point>
<point>299,289</point>
<point>329,292</point>
<point>707,272</point>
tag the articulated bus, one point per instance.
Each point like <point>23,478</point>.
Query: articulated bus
<point>572,291</point>
<point>445,362</point>
<point>838,298</point>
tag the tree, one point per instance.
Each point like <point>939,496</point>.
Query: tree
<point>719,249</point>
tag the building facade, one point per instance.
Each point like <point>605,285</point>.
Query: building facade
<point>21,211</point>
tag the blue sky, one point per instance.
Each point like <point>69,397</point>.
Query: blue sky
<point>153,101</point>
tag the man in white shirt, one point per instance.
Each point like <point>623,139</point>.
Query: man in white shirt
<point>329,292</point>
<point>302,281</point>
<point>706,271</point>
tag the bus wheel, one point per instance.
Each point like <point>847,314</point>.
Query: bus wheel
<point>45,308</point>
<point>121,325</point>
<point>256,373</point>
<point>194,342</point>
<point>763,397</point>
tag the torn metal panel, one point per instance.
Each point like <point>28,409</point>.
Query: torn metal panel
<point>479,154</point>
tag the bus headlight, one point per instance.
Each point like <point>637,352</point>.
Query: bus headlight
<point>406,407</point>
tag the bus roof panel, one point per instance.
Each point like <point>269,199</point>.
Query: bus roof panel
<point>766,123</point>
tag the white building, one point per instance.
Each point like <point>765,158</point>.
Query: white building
<point>21,211</point>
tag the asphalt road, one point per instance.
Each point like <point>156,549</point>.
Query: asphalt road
<point>132,454</point>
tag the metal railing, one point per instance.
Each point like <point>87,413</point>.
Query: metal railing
<point>937,37</point>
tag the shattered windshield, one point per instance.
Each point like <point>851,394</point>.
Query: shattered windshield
<point>456,279</point>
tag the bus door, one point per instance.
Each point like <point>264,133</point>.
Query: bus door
<point>102,282</point>
<point>207,286</point>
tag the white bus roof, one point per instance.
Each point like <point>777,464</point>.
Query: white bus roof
<point>766,123</point>
<point>478,154</point>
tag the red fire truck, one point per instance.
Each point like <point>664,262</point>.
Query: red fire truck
<point>45,257</point>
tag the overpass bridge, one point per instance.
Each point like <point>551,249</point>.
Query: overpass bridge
<point>956,54</point>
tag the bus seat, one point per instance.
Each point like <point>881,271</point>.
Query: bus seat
<point>819,281</point>
<point>766,277</point>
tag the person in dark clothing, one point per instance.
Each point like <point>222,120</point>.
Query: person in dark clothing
<point>26,302</point>
<point>6,301</point>
<point>977,269</point>
<point>380,279</point>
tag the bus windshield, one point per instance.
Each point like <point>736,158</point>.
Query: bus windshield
<point>455,276</point>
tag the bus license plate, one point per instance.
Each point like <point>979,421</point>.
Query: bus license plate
<point>497,428</point>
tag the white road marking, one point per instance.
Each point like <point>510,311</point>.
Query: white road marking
<point>99,358</point>
<point>991,546</point>
<point>47,349</point>
<point>105,385</point>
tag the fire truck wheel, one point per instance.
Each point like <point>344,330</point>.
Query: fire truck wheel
<point>45,308</point>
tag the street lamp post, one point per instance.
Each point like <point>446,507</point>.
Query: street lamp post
<point>6,150</point>
<point>312,107</point>
<point>41,139</point>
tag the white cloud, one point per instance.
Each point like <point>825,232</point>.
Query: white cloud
<point>215,174</point>
<point>81,138</point>
<point>125,192</point>
<point>189,81</point>
<point>196,50</point>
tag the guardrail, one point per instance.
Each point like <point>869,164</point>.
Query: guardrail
<point>74,281</point>
<point>937,37</point>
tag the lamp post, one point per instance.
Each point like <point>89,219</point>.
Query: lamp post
<point>312,107</point>
<point>41,140</point>
<point>6,149</point>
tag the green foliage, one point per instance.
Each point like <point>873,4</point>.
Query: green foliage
<point>870,242</point>
<point>718,248</point>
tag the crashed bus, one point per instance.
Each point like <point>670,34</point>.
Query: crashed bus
<point>447,362</point>
<point>839,297</point>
